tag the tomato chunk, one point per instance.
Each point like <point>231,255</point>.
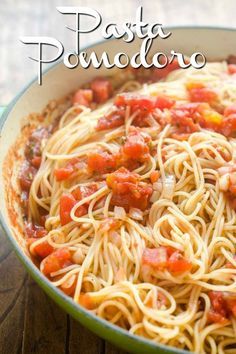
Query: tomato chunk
<point>35,231</point>
<point>127,190</point>
<point>67,202</point>
<point>223,305</point>
<point>56,261</point>
<point>26,177</point>
<point>86,301</point>
<point>136,145</point>
<point>163,102</point>
<point>232,69</point>
<point>83,97</point>
<point>102,89</point>
<point>101,162</point>
<point>168,258</point>
<point>228,128</point>
<point>112,120</point>
<point>178,264</point>
<point>66,172</point>
<point>198,92</point>
<point>43,249</point>
<point>81,193</point>
<point>135,101</point>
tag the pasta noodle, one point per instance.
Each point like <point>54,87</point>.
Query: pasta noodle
<point>188,217</point>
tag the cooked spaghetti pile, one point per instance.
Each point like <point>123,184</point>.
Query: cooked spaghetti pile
<point>131,205</point>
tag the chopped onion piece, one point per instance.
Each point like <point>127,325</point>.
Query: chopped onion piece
<point>224,182</point>
<point>119,212</point>
<point>169,187</point>
<point>79,256</point>
<point>157,186</point>
<point>226,169</point>
<point>155,196</point>
<point>136,213</point>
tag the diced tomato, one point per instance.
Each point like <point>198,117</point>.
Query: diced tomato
<point>101,162</point>
<point>69,286</point>
<point>163,257</point>
<point>183,117</point>
<point>228,127</point>
<point>163,102</point>
<point>64,173</point>
<point>198,92</point>
<point>215,317</point>
<point>26,177</point>
<point>232,69</point>
<point>155,257</point>
<point>112,120</point>
<point>178,264</point>
<point>223,305</point>
<point>33,146</point>
<point>136,145</point>
<point>155,175</point>
<point>135,101</point>
<point>230,110</point>
<point>56,261</point>
<point>35,231</point>
<point>86,301</point>
<point>67,202</point>
<point>83,192</point>
<point>161,73</point>
<point>36,161</point>
<point>43,249</point>
<point>83,97</point>
<point>102,89</point>
<point>127,190</point>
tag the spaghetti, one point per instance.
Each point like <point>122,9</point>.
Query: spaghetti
<point>131,205</point>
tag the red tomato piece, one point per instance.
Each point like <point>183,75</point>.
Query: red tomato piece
<point>36,161</point>
<point>112,120</point>
<point>35,231</point>
<point>102,89</point>
<point>232,69</point>
<point>43,249</point>
<point>228,127</point>
<point>136,145</point>
<point>165,257</point>
<point>101,162</point>
<point>83,97</point>
<point>155,175</point>
<point>26,177</point>
<point>67,202</point>
<point>135,101</point>
<point>178,264</point>
<point>63,173</point>
<point>155,257</point>
<point>163,102</point>
<point>81,193</point>
<point>86,301</point>
<point>56,261</point>
<point>127,190</point>
<point>230,110</point>
<point>198,92</point>
<point>215,317</point>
